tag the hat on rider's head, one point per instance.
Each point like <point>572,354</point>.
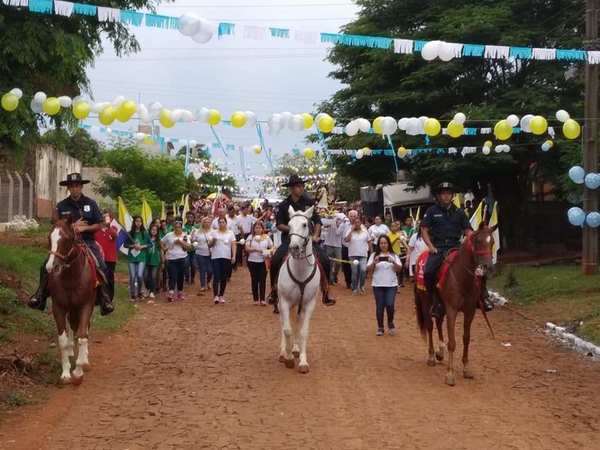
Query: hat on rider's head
<point>73,178</point>
<point>445,186</point>
<point>293,181</point>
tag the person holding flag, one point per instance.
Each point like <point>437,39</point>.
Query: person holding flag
<point>106,238</point>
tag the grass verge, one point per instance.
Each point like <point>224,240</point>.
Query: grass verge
<point>555,293</point>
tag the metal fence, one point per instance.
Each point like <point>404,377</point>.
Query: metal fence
<point>16,195</point>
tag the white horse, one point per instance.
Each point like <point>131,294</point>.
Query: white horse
<point>298,284</point>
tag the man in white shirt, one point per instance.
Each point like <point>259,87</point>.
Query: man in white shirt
<point>231,222</point>
<point>333,242</point>
<point>244,224</point>
<point>345,227</point>
<point>378,229</point>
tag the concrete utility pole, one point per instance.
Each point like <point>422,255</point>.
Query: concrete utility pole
<point>590,135</point>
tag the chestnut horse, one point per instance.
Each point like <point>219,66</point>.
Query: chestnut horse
<point>72,286</point>
<point>462,292</point>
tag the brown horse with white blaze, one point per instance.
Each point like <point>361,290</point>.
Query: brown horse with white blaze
<point>462,292</point>
<point>72,286</point>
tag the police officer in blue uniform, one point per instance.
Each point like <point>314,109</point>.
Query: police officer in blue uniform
<point>87,219</point>
<point>442,229</point>
<point>300,201</point>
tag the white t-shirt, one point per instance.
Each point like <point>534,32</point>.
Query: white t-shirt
<point>246,222</point>
<point>258,244</point>
<point>201,238</point>
<point>383,274</point>
<point>231,224</point>
<point>378,230</point>
<point>417,247</point>
<point>345,226</point>
<point>222,246</point>
<point>174,251</point>
<point>359,243</point>
<point>333,231</point>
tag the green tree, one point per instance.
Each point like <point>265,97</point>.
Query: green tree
<point>133,197</point>
<point>380,82</point>
<point>209,178</point>
<point>80,145</point>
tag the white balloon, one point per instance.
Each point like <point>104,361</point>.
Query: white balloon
<point>363,125</point>
<point>286,118</point>
<point>156,106</point>
<point>187,116</point>
<point>39,97</point>
<point>525,123</point>
<point>36,107</point>
<point>460,118</point>
<point>562,115</point>
<point>203,114</point>
<point>97,107</point>
<point>486,150</point>
<point>140,136</point>
<point>297,122</point>
<point>319,116</point>
<point>203,36</point>
<point>359,154</point>
<point>351,129</point>
<point>367,151</point>
<point>176,115</point>
<point>118,100</point>
<point>251,118</point>
<point>506,148</point>
<point>189,24</point>
<point>446,51</point>
<point>499,148</point>
<point>193,143</point>
<point>17,92</point>
<point>389,125</point>
<point>403,123</point>
<point>513,120</point>
<point>431,50</point>
<point>413,126</point>
<point>143,113</point>
<point>65,101</point>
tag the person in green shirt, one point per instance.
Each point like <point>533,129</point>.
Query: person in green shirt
<point>137,244</point>
<point>408,227</point>
<point>188,229</point>
<point>153,260</point>
<point>399,243</point>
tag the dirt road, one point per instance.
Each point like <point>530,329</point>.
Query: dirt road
<point>193,375</point>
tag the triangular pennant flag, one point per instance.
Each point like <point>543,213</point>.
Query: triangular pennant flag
<point>477,217</point>
<point>163,212</point>
<point>496,233</point>
<point>146,213</point>
<point>418,216</point>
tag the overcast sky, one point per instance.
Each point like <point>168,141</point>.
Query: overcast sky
<point>229,74</point>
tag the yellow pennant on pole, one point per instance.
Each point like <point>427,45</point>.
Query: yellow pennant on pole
<point>124,216</point>
<point>146,213</point>
<point>163,212</point>
<point>477,217</point>
<point>418,217</point>
<point>186,205</point>
<point>496,233</point>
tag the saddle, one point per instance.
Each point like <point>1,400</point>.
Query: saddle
<point>91,259</point>
<point>442,273</point>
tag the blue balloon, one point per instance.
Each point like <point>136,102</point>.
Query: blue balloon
<point>593,219</point>
<point>592,180</point>
<point>576,216</point>
<point>577,174</point>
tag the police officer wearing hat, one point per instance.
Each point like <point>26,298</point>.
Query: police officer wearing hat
<point>87,219</point>
<point>300,201</point>
<point>442,229</point>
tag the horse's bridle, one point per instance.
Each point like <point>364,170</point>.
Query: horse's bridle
<point>66,259</point>
<point>305,239</point>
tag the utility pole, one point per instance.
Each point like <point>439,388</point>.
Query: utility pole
<point>590,136</point>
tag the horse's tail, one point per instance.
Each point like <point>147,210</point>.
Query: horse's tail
<point>419,312</point>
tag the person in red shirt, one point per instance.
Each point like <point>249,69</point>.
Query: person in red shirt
<point>106,238</point>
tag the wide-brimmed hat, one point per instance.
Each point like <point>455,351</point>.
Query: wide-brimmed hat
<point>445,186</point>
<point>293,181</point>
<point>74,178</point>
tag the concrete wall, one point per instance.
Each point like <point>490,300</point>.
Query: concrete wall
<point>51,166</point>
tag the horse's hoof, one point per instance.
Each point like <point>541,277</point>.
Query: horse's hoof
<point>468,374</point>
<point>431,362</point>
<point>296,354</point>
<point>303,368</point>
<point>450,381</point>
<point>290,363</point>
<point>76,381</point>
<point>439,355</point>
<point>65,380</point>
<point>282,359</point>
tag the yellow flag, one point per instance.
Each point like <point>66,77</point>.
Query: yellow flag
<point>124,216</point>
<point>410,214</point>
<point>496,233</point>
<point>456,200</point>
<point>146,213</point>
<point>477,217</point>
<point>186,205</point>
<point>418,216</point>
<point>175,209</point>
<point>163,213</point>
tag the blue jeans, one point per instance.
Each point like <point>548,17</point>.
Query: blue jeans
<point>359,272</point>
<point>204,266</point>
<point>151,278</point>
<point>136,278</point>
<point>385,299</point>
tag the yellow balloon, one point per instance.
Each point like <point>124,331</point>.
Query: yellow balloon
<point>455,129</point>
<point>308,120</point>
<point>538,125</point>
<point>488,144</point>
<point>107,115</point>
<point>257,149</point>
<point>214,117</point>
<point>432,127</point>
<point>126,110</point>
<point>309,153</point>
<point>10,101</point>
<point>165,118</point>
<point>571,129</point>
<point>238,119</point>
<point>51,106</point>
<point>402,152</point>
<point>326,124</point>
<point>81,110</point>
<point>503,130</point>
<point>378,125</point>
<point>311,170</point>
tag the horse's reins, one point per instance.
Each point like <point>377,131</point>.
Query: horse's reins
<point>302,284</point>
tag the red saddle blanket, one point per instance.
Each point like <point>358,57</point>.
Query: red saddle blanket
<point>442,273</point>
<point>91,259</point>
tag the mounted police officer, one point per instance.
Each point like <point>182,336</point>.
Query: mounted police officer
<point>87,219</point>
<point>300,201</point>
<point>442,229</point>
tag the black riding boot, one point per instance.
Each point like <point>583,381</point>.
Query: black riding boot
<point>39,299</point>
<point>103,297</point>
<point>437,306</point>
<point>328,301</point>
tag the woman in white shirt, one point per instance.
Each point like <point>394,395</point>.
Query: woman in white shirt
<point>416,246</point>
<point>177,245</point>
<point>222,244</point>
<point>358,249</point>
<point>384,264</point>
<point>258,246</point>
<point>200,239</point>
